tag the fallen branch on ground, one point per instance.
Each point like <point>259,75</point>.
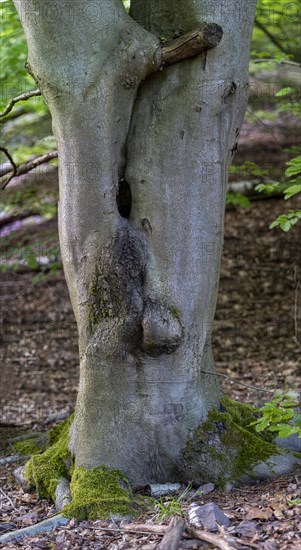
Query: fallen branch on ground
<point>7,498</point>
<point>173,534</point>
<point>216,540</point>
<point>190,533</point>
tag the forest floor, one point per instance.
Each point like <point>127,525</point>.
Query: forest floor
<point>256,341</point>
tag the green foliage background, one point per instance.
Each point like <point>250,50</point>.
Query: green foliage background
<point>14,78</point>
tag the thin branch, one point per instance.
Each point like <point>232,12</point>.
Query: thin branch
<point>27,166</point>
<point>7,220</point>
<point>273,39</point>
<point>237,381</point>
<point>296,304</point>
<point>21,97</point>
<point>8,498</point>
<point>282,62</point>
<point>11,160</point>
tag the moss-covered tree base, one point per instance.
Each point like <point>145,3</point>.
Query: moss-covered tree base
<point>101,493</point>
<point>96,494</point>
<point>227,448</point>
<point>223,449</point>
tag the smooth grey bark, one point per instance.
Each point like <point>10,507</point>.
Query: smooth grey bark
<point>144,288</point>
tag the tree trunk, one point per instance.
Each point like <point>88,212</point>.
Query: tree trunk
<point>144,158</point>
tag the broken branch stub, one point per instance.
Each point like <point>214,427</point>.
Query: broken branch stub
<point>189,45</point>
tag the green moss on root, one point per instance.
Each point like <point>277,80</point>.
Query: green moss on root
<point>99,493</point>
<point>96,493</point>
<point>226,446</point>
<point>31,446</point>
<point>45,470</point>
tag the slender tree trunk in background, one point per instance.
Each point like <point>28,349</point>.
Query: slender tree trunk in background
<point>143,285</point>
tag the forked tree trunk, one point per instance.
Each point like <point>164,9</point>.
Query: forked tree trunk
<point>143,285</point>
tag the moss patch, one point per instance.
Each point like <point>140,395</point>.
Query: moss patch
<point>99,492</point>
<point>96,493</point>
<point>45,470</point>
<point>175,312</point>
<point>31,446</point>
<point>226,447</point>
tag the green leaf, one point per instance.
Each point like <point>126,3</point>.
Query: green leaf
<point>285,226</point>
<point>284,91</point>
<point>294,167</point>
<point>237,199</point>
<point>262,425</point>
<point>267,188</point>
<point>294,502</point>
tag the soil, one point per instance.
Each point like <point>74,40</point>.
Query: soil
<point>256,342</point>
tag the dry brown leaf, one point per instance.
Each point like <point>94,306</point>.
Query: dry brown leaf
<point>259,513</point>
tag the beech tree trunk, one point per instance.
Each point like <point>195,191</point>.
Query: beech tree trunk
<point>144,156</point>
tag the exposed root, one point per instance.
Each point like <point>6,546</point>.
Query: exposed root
<point>42,527</point>
<point>11,459</point>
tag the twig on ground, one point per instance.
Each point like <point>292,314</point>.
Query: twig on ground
<point>21,97</point>
<point>8,498</point>
<point>145,528</point>
<point>142,529</point>
<point>248,543</point>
